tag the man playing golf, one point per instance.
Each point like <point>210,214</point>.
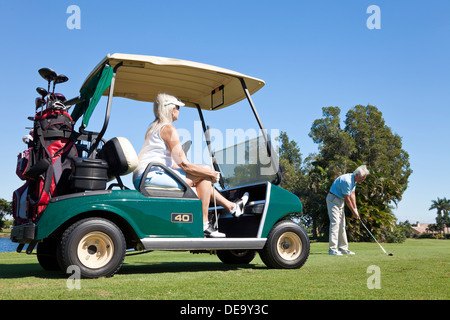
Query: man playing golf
<point>342,192</point>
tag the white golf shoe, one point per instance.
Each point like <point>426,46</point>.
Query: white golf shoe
<point>239,206</point>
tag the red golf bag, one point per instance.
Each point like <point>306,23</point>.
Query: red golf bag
<point>50,161</point>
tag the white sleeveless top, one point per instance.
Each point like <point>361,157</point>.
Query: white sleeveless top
<point>153,150</point>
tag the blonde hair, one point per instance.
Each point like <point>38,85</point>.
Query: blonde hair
<point>162,109</point>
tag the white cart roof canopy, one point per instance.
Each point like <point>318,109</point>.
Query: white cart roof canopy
<point>142,77</point>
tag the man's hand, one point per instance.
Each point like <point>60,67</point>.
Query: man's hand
<point>350,200</point>
<point>356,214</point>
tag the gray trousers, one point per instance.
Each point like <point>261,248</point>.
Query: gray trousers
<point>338,236</point>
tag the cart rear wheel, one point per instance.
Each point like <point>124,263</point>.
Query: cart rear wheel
<point>95,250</point>
<point>287,246</point>
<point>95,245</point>
<point>236,256</point>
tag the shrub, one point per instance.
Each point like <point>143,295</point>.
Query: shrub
<point>397,235</point>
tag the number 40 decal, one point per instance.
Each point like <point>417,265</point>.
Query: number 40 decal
<point>182,217</point>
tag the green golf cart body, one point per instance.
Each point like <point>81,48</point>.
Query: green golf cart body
<point>94,229</point>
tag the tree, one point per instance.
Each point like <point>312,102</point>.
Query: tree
<point>335,145</point>
<point>316,184</point>
<point>381,150</point>
<point>443,207</point>
<point>5,209</point>
<point>290,159</point>
<point>290,151</point>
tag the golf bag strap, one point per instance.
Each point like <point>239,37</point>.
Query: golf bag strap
<point>41,139</point>
<point>55,134</point>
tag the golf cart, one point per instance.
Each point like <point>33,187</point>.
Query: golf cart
<point>94,227</point>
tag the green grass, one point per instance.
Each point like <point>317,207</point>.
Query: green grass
<point>419,269</point>
<point>5,233</point>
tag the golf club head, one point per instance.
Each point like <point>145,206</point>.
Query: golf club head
<point>60,78</point>
<point>42,92</point>
<point>39,102</point>
<point>58,97</point>
<point>48,74</point>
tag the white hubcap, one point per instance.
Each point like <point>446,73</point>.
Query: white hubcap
<point>289,246</point>
<point>95,250</point>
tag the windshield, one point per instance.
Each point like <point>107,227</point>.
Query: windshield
<point>239,146</point>
<point>247,163</point>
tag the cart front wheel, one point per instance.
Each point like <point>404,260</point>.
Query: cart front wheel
<point>287,246</point>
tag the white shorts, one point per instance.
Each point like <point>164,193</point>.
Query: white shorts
<point>157,177</point>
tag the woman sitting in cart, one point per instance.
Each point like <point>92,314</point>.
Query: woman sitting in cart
<point>162,144</point>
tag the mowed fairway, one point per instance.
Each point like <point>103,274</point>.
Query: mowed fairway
<point>419,269</point>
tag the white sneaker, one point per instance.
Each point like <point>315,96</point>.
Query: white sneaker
<point>334,253</point>
<point>239,206</point>
<point>347,252</point>
<point>210,232</point>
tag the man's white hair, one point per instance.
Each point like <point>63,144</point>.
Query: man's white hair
<point>361,171</point>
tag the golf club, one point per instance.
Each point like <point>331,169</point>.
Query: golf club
<point>58,97</point>
<point>208,138</point>
<point>49,75</point>
<point>60,78</point>
<point>42,92</point>
<point>40,102</point>
<point>216,224</point>
<point>389,254</point>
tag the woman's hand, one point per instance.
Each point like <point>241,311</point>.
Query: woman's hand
<point>216,177</point>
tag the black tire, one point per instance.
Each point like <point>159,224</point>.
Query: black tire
<point>97,246</point>
<point>236,256</point>
<point>287,246</point>
<point>46,254</point>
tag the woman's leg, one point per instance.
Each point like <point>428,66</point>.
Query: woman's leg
<point>221,200</point>
<point>204,192</point>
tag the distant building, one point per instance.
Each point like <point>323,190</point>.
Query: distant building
<point>422,228</point>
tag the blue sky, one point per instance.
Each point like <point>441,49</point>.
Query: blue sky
<point>311,54</point>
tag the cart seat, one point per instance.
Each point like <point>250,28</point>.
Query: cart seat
<point>120,156</point>
<point>184,191</point>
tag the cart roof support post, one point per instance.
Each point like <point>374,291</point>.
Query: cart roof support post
<point>107,114</point>
<point>247,93</point>
<point>273,161</point>
<point>208,143</point>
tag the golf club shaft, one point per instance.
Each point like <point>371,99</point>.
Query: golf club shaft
<point>373,237</point>
<point>214,196</point>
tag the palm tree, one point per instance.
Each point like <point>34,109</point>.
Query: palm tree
<point>443,207</point>
<point>446,218</point>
